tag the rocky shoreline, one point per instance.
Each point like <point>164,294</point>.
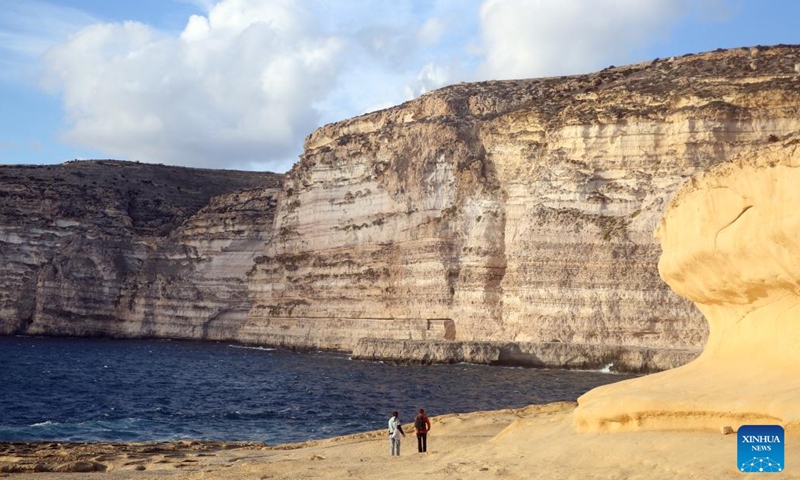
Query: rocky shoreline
<point>614,358</point>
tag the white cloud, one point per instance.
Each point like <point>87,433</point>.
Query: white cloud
<point>432,31</point>
<point>430,77</point>
<point>197,29</point>
<point>238,86</point>
<point>243,84</point>
<point>530,38</point>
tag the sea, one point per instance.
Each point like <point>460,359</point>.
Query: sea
<point>70,389</point>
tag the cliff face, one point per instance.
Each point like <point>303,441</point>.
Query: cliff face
<point>515,211</point>
<point>512,211</point>
<point>129,250</point>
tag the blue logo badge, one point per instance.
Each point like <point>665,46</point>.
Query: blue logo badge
<point>760,448</point>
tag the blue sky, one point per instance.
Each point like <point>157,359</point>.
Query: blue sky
<point>240,83</point>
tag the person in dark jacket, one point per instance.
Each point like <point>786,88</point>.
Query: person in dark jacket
<point>422,425</point>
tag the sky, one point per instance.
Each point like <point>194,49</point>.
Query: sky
<point>238,84</point>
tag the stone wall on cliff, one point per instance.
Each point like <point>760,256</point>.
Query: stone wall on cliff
<point>512,210</point>
<point>123,249</point>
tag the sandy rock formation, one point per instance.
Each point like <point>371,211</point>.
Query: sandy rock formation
<point>518,210</point>
<point>730,245</point>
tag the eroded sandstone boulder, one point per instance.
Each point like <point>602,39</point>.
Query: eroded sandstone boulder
<point>731,245</point>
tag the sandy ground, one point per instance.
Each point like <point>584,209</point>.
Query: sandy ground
<point>535,442</point>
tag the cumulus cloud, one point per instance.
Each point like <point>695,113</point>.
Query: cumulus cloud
<point>531,38</point>
<point>242,84</point>
<point>237,87</point>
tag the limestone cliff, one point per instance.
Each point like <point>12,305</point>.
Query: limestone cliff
<point>129,250</point>
<point>730,245</point>
<point>515,211</point>
<point>512,210</point>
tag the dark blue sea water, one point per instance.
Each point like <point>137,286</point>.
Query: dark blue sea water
<point>130,390</point>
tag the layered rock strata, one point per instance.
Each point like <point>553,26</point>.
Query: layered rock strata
<point>515,211</point>
<point>129,250</point>
<point>522,211</point>
<point>730,245</point>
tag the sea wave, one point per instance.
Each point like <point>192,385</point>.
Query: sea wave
<point>47,423</point>
<point>245,347</point>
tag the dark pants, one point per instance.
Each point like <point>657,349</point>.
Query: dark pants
<point>422,442</point>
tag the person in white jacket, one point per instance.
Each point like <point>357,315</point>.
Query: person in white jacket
<point>395,432</point>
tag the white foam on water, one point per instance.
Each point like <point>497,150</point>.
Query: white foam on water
<point>607,368</point>
<point>48,423</point>
<point>263,349</point>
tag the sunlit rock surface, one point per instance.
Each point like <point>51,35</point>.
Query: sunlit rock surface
<point>512,211</point>
<point>731,245</point>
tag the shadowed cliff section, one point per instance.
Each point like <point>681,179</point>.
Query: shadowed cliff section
<point>522,210</point>
<point>119,248</point>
